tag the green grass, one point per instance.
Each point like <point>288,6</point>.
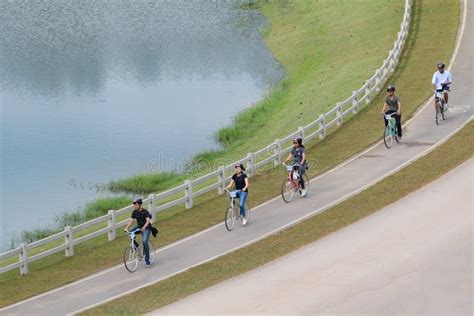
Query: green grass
<point>427,169</point>
<point>355,135</point>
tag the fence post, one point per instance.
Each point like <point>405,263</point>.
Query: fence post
<point>68,240</point>
<point>367,93</point>
<point>339,113</point>
<point>277,160</point>
<point>301,131</point>
<point>23,259</point>
<point>355,102</point>
<point>251,164</point>
<point>188,193</point>
<point>322,126</point>
<point>221,180</point>
<point>152,205</point>
<point>385,69</point>
<point>378,82</point>
<point>111,225</point>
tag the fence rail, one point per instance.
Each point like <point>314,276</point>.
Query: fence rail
<point>271,153</point>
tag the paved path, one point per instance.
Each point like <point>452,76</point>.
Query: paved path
<point>420,135</point>
<point>413,257</point>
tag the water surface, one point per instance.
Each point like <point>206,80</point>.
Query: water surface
<point>97,90</point>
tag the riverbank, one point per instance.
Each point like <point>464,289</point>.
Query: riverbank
<point>358,133</point>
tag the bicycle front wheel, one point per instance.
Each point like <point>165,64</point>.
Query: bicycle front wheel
<point>387,137</point>
<point>287,190</point>
<point>130,259</point>
<point>229,219</point>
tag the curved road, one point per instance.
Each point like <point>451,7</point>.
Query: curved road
<point>412,257</point>
<point>327,190</point>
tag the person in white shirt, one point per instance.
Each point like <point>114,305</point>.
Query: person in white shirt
<point>441,81</point>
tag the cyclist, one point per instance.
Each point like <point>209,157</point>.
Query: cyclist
<point>241,182</point>
<point>441,81</point>
<point>299,161</point>
<point>143,218</point>
<point>392,105</point>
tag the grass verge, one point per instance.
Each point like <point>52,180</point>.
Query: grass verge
<point>355,135</point>
<point>423,171</point>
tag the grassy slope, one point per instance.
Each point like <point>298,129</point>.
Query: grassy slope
<point>327,52</point>
<point>351,138</point>
<point>458,149</point>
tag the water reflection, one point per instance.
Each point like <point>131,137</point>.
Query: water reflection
<point>50,47</point>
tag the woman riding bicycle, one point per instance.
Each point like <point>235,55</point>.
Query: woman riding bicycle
<point>143,218</point>
<point>299,161</point>
<point>392,105</point>
<point>241,182</point>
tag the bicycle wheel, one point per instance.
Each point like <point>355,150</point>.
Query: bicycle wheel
<point>287,190</point>
<point>229,219</point>
<point>387,137</point>
<point>438,112</point>
<point>443,110</point>
<point>130,259</point>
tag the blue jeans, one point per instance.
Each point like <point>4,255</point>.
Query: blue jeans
<point>242,198</point>
<point>145,237</point>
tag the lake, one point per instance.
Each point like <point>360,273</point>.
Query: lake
<point>92,91</point>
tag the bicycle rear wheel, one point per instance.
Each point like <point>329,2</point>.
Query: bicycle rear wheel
<point>287,190</point>
<point>229,219</point>
<point>387,137</point>
<point>130,259</point>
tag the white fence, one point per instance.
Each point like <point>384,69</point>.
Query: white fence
<point>186,191</point>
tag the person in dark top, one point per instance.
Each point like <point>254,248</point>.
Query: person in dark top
<point>143,218</point>
<point>241,182</point>
<point>299,161</point>
<point>392,105</point>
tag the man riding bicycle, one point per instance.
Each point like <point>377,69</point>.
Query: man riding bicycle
<point>143,218</point>
<point>299,161</point>
<point>241,181</point>
<point>441,81</point>
<point>392,105</point>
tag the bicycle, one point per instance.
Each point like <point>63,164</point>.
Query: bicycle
<point>291,184</point>
<point>134,253</point>
<point>441,106</point>
<point>232,214</point>
<point>391,131</point>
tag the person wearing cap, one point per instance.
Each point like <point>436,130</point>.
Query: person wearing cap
<point>241,182</point>
<point>392,105</point>
<point>143,218</point>
<point>299,161</point>
<point>441,81</point>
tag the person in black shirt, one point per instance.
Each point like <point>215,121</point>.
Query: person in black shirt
<point>143,218</point>
<point>299,161</point>
<point>241,182</point>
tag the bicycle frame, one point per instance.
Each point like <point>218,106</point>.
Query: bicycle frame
<point>390,118</point>
<point>291,173</point>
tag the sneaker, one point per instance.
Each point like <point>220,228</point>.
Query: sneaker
<point>147,263</point>
<point>304,192</point>
<point>244,221</point>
